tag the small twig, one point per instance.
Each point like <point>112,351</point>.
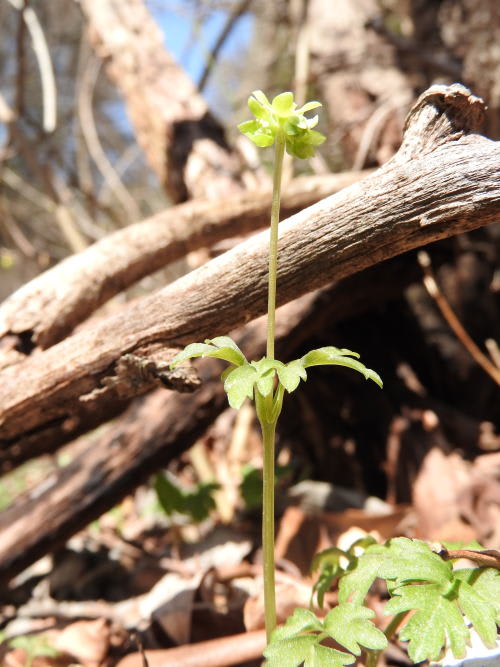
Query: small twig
<point>51,203</point>
<point>21,64</point>
<point>16,233</point>
<point>82,157</point>
<point>486,558</point>
<point>44,63</point>
<point>92,140</point>
<point>26,190</point>
<point>138,641</point>
<point>494,351</point>
<point>447,312</point>
<point>232,18</point>
<point>373,128</point>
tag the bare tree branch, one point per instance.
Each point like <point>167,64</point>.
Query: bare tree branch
<point>44,63</point>
<point>231,21</point>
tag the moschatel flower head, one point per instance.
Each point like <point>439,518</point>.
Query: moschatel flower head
<point>281,117</point>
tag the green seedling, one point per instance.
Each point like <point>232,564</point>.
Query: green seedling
<point>196,503</point>
<point>280,124</point>
<point>433,604</point>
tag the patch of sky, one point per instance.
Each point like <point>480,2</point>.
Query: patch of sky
<point>190,36</point>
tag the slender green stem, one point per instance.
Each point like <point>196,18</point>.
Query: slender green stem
<point>279,151</point>
<point>269,436</point>
<point>372,657</point>
<point>267,418</point>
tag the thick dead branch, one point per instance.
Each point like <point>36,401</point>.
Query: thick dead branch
<point>179,136</point>
<point>46,310</point>
<point>158,427</point>
<point>443,181</point>
<point>149,435</point>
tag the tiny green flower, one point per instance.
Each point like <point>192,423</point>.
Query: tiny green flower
<point>281,116</point>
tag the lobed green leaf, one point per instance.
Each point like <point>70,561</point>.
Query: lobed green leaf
<point>413,560</point>
<point>291,374</point>
<point>356,583</point>
<point>435,618</point>
<point>339,357</point>
<point>239,385</point>
<point>231,352</point>
<point>304,650</point>
<point>480,610</point>
<point>486,582</point>
<point>323,656</point>
<point>297,642</point>
<point>289,652</point>
<point>349,624</point>
<point>302,620</point>
<point>191,352</point>
<point>221,347</point>
<point>226,372</point>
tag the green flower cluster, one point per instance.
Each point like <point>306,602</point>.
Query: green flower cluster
<point>281,117</point>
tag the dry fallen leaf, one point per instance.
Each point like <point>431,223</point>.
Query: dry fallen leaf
<point>87,641</point>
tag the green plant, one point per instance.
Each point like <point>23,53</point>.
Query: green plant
<point>196,503</point>
<point>428,598</point>
<point>282,124</point>
<point>35,646</point>
<point>251,486</point>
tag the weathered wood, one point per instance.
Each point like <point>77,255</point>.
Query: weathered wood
<point>443,181</point>
<point>46,309</point>
<point>183,142</point>
<point>149,435</point>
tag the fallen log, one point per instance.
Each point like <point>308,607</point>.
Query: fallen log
<point>149,435</point>
<point>443,181</point>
